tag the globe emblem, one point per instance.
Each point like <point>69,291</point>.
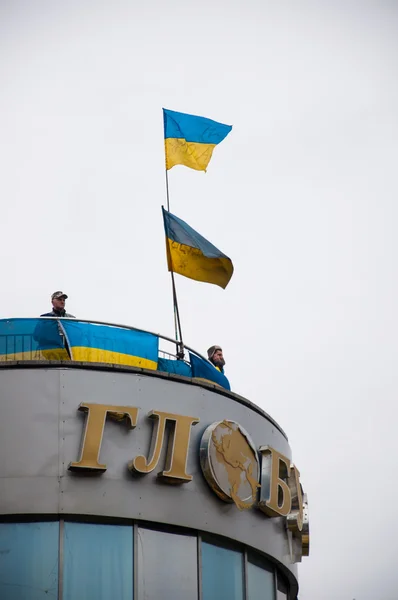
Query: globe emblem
<point>230,464</point>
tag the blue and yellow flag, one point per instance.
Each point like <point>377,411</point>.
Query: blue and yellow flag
<point>205,371</point>
<point>89,342</point>
<point>191,255</point>
<point>31,339</point>
<point>190,140</point>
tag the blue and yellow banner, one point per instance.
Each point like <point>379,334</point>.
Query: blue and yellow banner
<point>190,140</point>
<point>31,339</point>
<point>191,255</point>
<point>69,339</point>
<point>205,371</point>
<point>104,343</point>
<point>176,367</point>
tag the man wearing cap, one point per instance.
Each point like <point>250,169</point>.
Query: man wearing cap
<point>216,357</point>
<point>58,302</point>
<point>48,333</point>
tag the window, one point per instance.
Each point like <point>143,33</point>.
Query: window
<point>222,573</point>
<point>29,561</point>
<point>98,562</point>
<point>167,566</point>
<point>260,582</point>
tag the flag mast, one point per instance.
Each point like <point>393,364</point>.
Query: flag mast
<point>177,321</point>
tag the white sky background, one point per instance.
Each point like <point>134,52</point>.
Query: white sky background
<point>302,195</point>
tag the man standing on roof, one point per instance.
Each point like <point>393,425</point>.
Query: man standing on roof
<point>216,357</point>
<point>58,302</point>
<point>49,335</point>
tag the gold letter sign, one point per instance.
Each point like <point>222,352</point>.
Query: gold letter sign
<point>177,448</point>
<point>94,428</point>
<point>295,518</point>
<point>275,497</point>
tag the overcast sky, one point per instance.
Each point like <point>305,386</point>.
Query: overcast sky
<point>302,195</point>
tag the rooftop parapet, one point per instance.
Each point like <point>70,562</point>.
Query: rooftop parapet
<point>72,340</point>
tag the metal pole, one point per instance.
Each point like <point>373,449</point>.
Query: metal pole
<point>180,345</point>
<point>177,321</point>
<point>167,191</point>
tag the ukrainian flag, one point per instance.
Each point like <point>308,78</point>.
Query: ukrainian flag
<point>31,339</point>
<point>190,140</point>
<point>108,344</point>
<point>191,255</point>
<point>205,371</point>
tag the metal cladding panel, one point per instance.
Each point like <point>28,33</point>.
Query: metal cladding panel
<point>29,419</point>
<point>30,495</point>
<point>41,434</point>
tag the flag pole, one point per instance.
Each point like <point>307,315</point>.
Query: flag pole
<point>180,345</point>
<point>177,321</point>
<point>167,190</point>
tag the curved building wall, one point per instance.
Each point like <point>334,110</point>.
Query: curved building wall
<point>42,433</point>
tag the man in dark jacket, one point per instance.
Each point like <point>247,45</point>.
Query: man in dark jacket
<point>49,334</point>
<point>58,302</point>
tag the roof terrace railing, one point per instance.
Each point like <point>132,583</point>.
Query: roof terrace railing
<point>51,338</point>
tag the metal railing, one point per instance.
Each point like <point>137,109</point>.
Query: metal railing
<point>25,346</point>
<point>23,342</point>
<point>84,341</point>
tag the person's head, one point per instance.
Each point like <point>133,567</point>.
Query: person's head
<point>58,300</point>
<point>215,356</point>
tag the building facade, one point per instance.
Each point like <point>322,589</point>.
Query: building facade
<point>119,482</point>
